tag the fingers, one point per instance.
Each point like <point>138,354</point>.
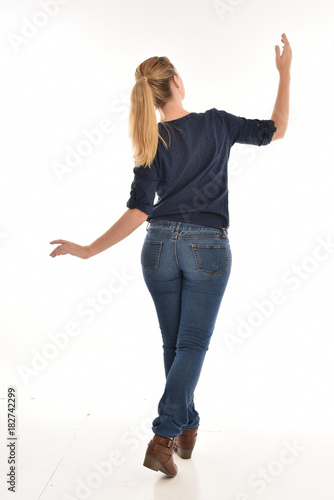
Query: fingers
<point>286,45</point>
<point>284,39</point>
<point>60,250</point>
<point>55,252</point>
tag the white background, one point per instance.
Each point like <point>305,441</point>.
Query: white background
<point>276,383</point>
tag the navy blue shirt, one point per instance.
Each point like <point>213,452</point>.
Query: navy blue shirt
<point>190,177</point>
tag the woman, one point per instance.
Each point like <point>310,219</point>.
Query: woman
<point>186,256</point>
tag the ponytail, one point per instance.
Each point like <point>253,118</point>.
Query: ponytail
<point>150,92</point>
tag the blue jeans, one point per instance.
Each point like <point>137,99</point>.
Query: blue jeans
<point>186,268</point>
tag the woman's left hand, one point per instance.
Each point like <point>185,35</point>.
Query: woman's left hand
<point>71,248</point>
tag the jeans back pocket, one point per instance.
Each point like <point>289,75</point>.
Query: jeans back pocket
<point>210,259</point>
<point>150,254</point>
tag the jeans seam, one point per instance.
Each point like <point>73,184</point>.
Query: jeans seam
<point>175,255</point>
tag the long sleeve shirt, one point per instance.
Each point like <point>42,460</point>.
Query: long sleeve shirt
<point>190,177</point>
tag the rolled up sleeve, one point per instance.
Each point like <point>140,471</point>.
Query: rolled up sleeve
<point>143,189</point>
<point>248,131</point>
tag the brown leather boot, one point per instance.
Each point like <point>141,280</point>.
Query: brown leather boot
<point>185,442</point>
<point>159,455</point>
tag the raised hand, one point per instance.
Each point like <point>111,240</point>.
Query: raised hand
<point>283,62</point>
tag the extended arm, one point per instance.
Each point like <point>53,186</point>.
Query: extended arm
<point>126,224</point>
<point>280,114</point>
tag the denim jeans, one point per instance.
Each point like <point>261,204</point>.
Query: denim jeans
<point>186,268</point>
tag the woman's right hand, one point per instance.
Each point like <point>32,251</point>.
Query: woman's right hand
<point>283,62</point>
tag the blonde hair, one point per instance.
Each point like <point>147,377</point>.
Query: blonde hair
<point>148,94</point>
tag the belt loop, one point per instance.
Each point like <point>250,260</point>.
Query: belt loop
<point>224,232</point>
<point>176,232</point>
<point>148,223</point>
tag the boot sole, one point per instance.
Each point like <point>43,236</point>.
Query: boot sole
<point>153,463</point>
<point>184,452</point>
